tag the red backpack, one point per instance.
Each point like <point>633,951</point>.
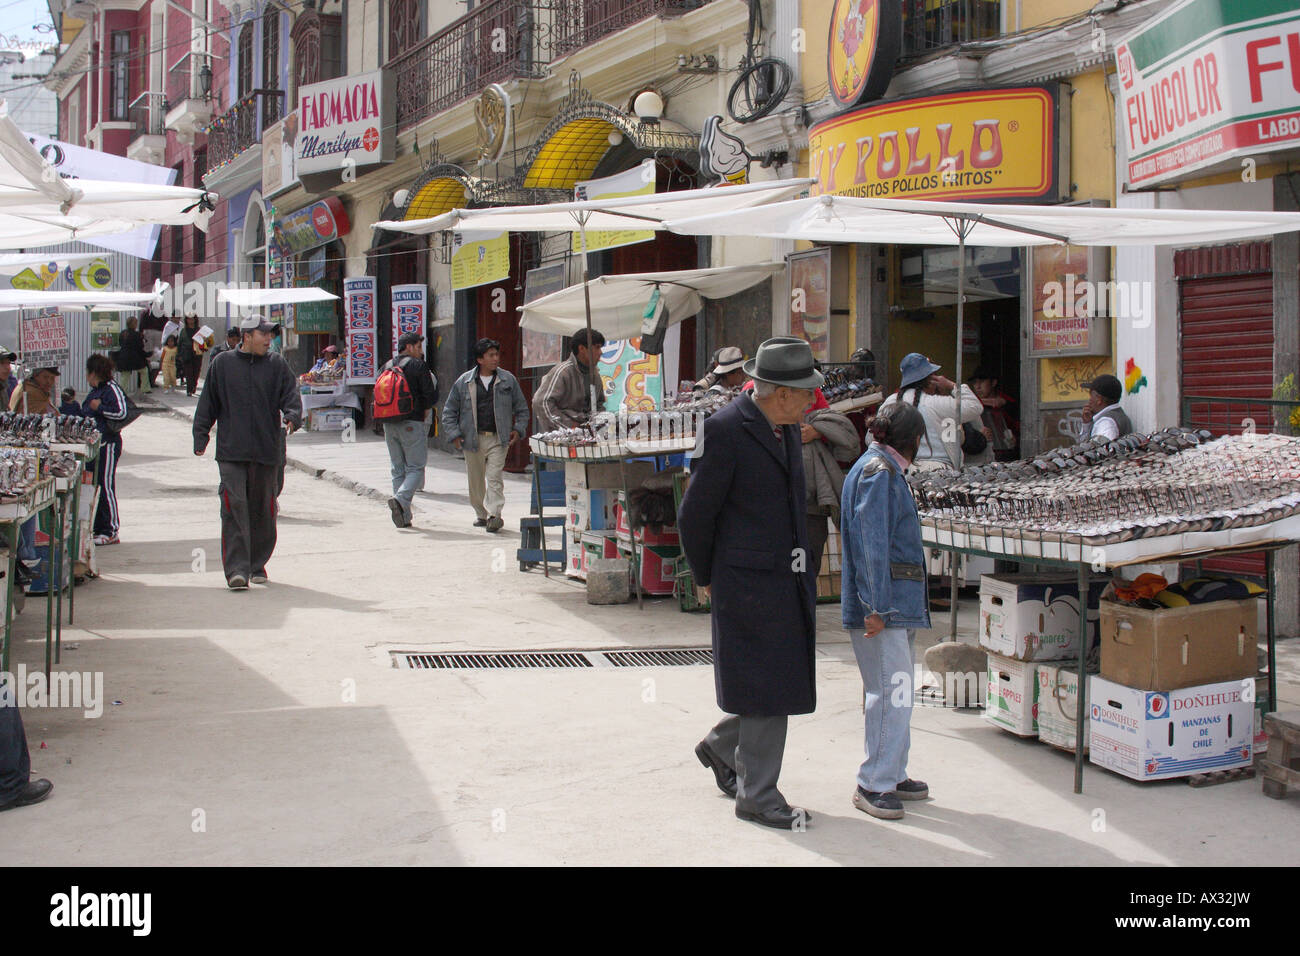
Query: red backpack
<point>393,396</point>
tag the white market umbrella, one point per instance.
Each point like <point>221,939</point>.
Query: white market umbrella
<point>12,263</point>
<point>256,298</point>
<point>38,207</point>
<point>618,302</point>
<point>32,299</point>
<point>629,213</point>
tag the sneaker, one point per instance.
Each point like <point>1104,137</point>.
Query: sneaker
<point>884,806</point>
<point>258,577</point>
<point>480,522</point>
<point>495,524</point>
<point>237,582</point>
<point>103,540</point>
<point>911,789</point>
<point>399,514</point>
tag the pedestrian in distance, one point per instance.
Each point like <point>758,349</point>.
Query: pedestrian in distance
<point>190,353</point>
<point>169,362</point>
<point>743,527</point>
<point>68,404</point>
<point>405,392</point>
<point>229,345</point>
<point>106,403</point>
<point>252,397</point>
<point>132,362</point>
<point>883,601</point>
<point>485,403</point>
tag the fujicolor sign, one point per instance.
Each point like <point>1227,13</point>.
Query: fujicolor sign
<point>348,122</point>
<point>363,330</point>
<point>982,144</point>
<point>1207,82</point>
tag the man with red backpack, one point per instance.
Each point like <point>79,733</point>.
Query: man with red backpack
<point>404,393</point>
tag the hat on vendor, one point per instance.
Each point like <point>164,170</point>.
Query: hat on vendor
<point>729,359</point>
<point>787,361</point>
<point>916,368</point>
<point>7,356</point>
<point>331,349</point>
<point>1107,386</point>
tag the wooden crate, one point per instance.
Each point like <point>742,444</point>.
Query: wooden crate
<point>1281,768</point>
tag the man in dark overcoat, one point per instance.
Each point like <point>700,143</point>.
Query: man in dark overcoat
<point>743,527</point>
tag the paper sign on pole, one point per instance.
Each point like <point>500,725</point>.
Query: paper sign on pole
<point>362,330</point>
<point>410,312</point>
<point>45,341</point>
<point>638,181</point>
<point>479,258</point>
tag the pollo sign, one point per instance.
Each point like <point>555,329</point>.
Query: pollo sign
<point>1206,83</point>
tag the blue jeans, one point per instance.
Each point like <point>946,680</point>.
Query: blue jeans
<point>885,662</point>
<point>408,450</point>
<point>27,540</point>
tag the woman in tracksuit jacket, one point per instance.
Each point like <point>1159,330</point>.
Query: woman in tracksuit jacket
<point>883,601</point>
<point>105,403</point>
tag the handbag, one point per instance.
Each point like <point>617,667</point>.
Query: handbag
<point>133,411</point>
<point>973,441</point>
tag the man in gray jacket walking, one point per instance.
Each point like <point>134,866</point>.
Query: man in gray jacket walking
<point>485,404</point>
<point>251,396</point>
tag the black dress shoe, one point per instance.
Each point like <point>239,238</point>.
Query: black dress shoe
<point>778,818</point>
<point>722,774</point>
<point>34,792</point>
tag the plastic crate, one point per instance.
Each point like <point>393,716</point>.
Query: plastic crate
<point>684,588</point>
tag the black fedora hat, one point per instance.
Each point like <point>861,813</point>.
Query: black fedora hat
<point>787,361</point>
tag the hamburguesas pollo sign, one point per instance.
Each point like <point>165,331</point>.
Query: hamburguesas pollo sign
<point>1208,82</point>
<point>984,144</point>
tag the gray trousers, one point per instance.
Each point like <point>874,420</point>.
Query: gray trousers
<point>754,748</point>
<point>248,508</point>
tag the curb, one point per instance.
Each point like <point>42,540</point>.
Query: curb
<point>315,471</point>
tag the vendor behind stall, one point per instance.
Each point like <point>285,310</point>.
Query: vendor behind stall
<point>728,371</point>
<point>563,396</point>
<point>1102,416</point>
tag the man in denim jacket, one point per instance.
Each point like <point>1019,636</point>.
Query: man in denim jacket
<point>883,599</point>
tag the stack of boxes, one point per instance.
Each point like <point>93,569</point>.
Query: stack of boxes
<point>1176,695</point>
<point>659,551</point>
<point>1029,623</point>
<point>589,505</point>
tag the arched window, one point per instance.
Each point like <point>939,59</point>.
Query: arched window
<point>403,26</point>
<point>244,74</point>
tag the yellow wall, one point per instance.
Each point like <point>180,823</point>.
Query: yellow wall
<point>1092,138</point>
<point>1035,13</point>
<point>816,21</point>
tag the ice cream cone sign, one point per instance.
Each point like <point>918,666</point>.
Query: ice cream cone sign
<point>722,154</point>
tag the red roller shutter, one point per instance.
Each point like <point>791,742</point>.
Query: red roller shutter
<point>1226,332</point>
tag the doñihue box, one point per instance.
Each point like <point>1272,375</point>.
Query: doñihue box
<point>1154,734</point>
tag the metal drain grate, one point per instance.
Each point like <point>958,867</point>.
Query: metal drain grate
<point>513,661</point>
<point>533,660</point>
<point>659,658</point>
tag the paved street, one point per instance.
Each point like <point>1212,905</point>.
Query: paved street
<point>271,727</point>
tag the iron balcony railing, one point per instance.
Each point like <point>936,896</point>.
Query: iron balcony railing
<point>506,39</point>
<point>934,24</point>
<point>185,79</point>
<point>146,113</point>
<point>241,126</point>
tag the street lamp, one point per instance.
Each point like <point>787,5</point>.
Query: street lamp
<point>205,80</point>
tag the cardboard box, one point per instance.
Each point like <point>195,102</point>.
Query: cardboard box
<point>1154,735</point>
<point>329,419</point>
<point>588,510</point>
<point>666,535</point>
<point>1013,695</point>
<point>659,564</point>
<point>1058,705</point>
<point>596,475</point>
<point>1035,617</point>
<point>1179,646</point>
<point>597,544</point>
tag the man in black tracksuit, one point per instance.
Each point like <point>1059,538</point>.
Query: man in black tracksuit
<point>246,394</point>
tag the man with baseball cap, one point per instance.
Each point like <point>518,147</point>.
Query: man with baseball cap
<point>252,397</point>
<point>744,530</point>
<point>1102,415</point>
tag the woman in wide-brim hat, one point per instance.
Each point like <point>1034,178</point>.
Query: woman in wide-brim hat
<point>936,398</point>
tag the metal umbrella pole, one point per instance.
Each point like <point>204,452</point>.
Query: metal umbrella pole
<point>596,393</point>
<point>962,227</point>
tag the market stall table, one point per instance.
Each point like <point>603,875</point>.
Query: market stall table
<point>13,514</point>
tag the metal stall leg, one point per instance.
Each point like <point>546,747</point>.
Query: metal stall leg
<point>1081,705</point>
<point>541,517</point>
<point>62,503</point>
<point>76,549</point>
<point>49,593</point>
<point>952,622</point>
<point>12,537</point>
<point>1270,623</point>
<point>631,531</point>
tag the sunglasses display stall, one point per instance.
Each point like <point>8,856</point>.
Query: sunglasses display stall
<point>1171,496</point>
<point>43,462</point>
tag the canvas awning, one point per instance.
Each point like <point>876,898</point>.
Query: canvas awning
<point>618,302</point>
<point>33,299</point>
<point>632,212</point>
<point>923,222</point>
<point>38,207</point>
<point>257,298</point>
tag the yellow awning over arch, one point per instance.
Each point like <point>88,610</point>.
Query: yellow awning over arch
<point>571,154</point>
<point>436,197</point>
